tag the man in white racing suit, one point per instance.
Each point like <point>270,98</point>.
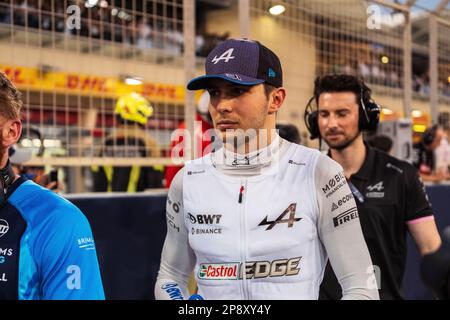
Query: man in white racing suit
<point>259,222</point>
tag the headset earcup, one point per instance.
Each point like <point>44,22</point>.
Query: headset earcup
<point>373,113</point>
<point>311,118</point>
<point>429,135</point>
<point>313,124</point>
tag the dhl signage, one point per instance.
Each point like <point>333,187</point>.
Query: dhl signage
<point>91,85</point>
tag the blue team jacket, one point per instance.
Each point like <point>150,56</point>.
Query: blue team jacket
<point>47,250</point>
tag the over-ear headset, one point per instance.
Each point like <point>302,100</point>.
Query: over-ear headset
<point>429,135</point>
<point>7,177</point>
<point>369,114</point>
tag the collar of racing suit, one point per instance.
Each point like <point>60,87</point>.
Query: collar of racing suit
<point>252,163</point>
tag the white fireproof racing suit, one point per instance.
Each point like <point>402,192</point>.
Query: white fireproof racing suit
<point>262,227</point>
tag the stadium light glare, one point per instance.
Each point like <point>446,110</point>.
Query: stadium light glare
<point>277,9</point>
<point>52,143</point>
<point>448,79</point>
<point>133,81</point>
<point>385,59</point>
<point>90,3</point>
<point>416,113</point>
<point>387,111</point>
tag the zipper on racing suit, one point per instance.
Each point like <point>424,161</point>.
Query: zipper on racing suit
<point>242,190</point>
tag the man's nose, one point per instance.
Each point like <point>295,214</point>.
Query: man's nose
<point>332,121</point>
<point>224,105</point>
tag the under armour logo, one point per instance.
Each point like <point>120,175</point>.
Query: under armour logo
<point>226,56</point>
<point>290,221</point>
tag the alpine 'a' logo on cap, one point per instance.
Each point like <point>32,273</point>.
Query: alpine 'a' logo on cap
<point>226,56</point>
<point>4,227</point>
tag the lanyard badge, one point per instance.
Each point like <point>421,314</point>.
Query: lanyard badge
<point>356,192</point>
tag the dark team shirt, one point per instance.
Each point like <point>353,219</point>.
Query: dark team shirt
<point>423,159</point>
<point>389,194</point>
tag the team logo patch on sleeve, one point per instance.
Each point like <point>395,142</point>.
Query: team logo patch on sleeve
<point>345,217</point>
<point>86,243</point>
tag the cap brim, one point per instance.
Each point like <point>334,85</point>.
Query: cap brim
<point>203,81</point>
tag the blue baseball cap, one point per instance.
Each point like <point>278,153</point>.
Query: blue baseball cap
<point>240,61</point>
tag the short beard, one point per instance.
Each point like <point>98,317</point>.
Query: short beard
<point>344,144</point>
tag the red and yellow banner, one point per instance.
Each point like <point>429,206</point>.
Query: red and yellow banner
<point>89,85</point>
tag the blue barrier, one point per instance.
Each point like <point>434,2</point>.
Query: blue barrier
<point>129,231</point>
<point>413,286</point>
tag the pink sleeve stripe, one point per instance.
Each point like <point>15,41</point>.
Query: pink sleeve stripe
<point>419,220</point>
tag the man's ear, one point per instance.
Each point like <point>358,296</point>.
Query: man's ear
<point>276,100</point>
<point>11,132</point>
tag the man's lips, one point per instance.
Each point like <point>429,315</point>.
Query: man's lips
<point>333,135</point>
<point>226,124</point>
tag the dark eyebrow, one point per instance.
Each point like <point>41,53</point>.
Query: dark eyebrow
<point>342,109</point>
<point>336,111</point>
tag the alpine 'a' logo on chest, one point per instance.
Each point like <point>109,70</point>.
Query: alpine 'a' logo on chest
<point>376,190</point>
<point>290,221</point>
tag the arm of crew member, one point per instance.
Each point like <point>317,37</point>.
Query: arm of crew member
<point>425,235</point>
<point>177,259</point>
<point>341,234</point>
<point>434,177</point>
<point>419,215</point>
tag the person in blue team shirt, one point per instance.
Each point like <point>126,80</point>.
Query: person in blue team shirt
<point>47,249</point>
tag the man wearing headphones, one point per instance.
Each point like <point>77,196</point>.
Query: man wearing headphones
<point>424,154</point>
<point>47,249</point>
<point>388,192</point>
